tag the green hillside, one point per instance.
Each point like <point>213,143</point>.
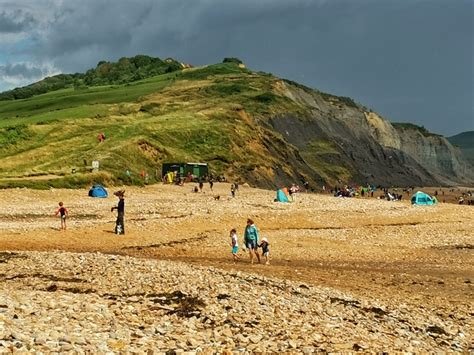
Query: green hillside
<point>126,70</point>
<point>199,114</point>
<point>249,126</point>
<point>465,142</point>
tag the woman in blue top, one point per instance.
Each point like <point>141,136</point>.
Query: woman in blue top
<point>251,240</point>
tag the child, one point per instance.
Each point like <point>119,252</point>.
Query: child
<point>63,212</point>
<point>265,249</point>
<point>234,244</point>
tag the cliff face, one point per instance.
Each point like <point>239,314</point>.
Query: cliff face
<point>465,143</point>
<point>437,154</point>
<point>344,142</point>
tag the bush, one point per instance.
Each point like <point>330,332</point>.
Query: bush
<point>13,134</point>
<point>232,60</point>
<point>224,89</point>
<point>216,69</point>
<point>266,98</point>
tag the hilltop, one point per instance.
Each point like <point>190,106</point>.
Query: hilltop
<point>249,126</point>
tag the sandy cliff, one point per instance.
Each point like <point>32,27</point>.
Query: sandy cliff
<point>362,146</point>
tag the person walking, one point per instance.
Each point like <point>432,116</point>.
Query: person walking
<point>63,212</point>
<point>119,223</point>
<point>234,243</point>
<point>251,240</point>
<point>265,250</point>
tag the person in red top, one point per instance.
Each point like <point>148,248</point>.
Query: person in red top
<point>101,137</point>
<point>63,212</point>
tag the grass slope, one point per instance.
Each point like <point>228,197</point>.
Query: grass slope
<point>202,114</point>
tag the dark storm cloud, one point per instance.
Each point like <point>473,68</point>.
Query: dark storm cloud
<point>15,21</point>
<point>410,60</point>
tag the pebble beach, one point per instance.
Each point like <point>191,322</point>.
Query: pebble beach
<point>345,275</point>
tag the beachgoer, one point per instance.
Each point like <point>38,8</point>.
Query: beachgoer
<point>211,183</point>
<point>63,212</point>
<point>251,240</point>
<point>201,185</point>
<point>119,223</point>
<point>234,243</point>
<point>292,191</point>
<point>232,189</point>
<point>265,249</point>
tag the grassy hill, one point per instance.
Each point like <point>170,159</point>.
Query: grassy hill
<point>126,70</point>
<point>201,114</point>
<point>249,126</point>
<point>465,142</point>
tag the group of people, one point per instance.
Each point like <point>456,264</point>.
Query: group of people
<point>251,235</point>
<point>63,213</point>
<point>251,243</point>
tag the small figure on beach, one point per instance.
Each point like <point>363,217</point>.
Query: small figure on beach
<point>234,243</point>
<point>265,249</point>
<point>63,212</point>
<point>233,188</point>
<point>119,223</point>
<point>251,240</point>
<point>201,185</point>
<point>292,191</point>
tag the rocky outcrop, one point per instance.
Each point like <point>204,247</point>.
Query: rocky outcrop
<point>437,154</point>
<point>465,142</point>
<point>343,142</point>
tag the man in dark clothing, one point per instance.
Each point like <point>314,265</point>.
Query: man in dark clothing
<point>119,224</point>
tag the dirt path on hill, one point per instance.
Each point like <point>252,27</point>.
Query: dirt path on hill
<point>35,178</point>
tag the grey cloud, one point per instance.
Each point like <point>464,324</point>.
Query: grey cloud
<point>16,21</point>
<point>409,60</point>
<point>23,70</point>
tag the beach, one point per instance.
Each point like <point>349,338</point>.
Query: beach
<point>345,274</point>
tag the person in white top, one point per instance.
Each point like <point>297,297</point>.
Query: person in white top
<point>234,244</point>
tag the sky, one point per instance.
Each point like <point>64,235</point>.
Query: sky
<point>409,60</point>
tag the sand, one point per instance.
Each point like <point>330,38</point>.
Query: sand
<point>368,246</point>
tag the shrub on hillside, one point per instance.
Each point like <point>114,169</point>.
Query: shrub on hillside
<point>226,89</point>
<point>232,60</point>
<point>266,98</point>
<point>13,135</point>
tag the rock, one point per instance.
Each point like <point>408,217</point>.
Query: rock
<point>255,338</point>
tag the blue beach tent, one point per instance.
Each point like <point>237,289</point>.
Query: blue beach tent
<point>281,196</point>
<point>98,191</point>
<point>420,198</point>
